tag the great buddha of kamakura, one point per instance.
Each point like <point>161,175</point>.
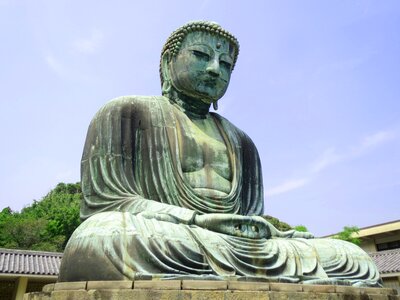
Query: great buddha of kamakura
<point>172,190</point>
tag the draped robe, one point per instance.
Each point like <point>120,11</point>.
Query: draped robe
<point>133,186</point>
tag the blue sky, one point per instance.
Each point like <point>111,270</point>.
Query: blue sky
<point>316,86</point>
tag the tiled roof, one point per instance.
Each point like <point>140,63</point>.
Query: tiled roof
<point>387,261</point>
<point>29,262</point>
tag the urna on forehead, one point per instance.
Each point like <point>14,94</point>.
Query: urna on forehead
<point>217,42</point>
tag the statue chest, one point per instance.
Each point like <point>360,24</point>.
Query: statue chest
<point>204,156</point>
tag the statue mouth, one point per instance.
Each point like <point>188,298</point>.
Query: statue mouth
<point>211,82</point>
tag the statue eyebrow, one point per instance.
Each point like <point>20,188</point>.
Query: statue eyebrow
<point>227,57</point>
<point>201,47</point>
<point>211,50</point>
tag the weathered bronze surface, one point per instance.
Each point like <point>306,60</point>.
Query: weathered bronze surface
<point>172,190</point>
<point>205,289</point>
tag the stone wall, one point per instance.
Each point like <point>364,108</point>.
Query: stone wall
<point>204,289</point>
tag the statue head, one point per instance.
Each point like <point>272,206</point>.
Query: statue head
<point>197,61</point>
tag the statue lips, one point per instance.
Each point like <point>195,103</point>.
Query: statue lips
<point>213,87</point>
<point>211,82</point>
<point>215,82</point>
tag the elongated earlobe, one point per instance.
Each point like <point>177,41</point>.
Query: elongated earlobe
<point>166,86</point>
<point>215,105</point>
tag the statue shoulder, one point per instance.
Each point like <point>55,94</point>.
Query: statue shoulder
<point>129,106</point>
<point>131,102</point>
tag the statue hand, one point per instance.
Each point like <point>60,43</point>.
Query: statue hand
<point>296,234</point>
<point>235,225</point>
<point>158,216</point>
<point>274,232</point>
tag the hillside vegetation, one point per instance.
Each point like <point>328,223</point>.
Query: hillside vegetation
<point>44,225</point>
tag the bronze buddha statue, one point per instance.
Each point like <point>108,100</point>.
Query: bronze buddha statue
<point>172,189</point>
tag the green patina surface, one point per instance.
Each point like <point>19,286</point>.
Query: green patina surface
<point>173,190</point>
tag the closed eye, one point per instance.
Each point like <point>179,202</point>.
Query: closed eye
<point>201,55</point>
<point>226,64</point>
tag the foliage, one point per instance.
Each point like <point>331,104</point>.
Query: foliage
<point>277,223</point>
<point>349,234</point>
<point>44,225</point>
<point>300,228</point>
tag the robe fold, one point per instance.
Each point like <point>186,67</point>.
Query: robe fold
<point>131,163</point>
<point>139,209</point>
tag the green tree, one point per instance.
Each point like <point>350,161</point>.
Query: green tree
<point>277,223</point>
<point>44,225</point>
<point>349,234</point>
<point>6,239</point>
<point>300,228</point>
<point>24,232</point>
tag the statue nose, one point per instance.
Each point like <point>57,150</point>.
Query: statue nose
<point>213,68</point>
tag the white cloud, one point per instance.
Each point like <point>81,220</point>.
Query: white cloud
<point>55,65</point>
<point>331,157</point>
<point>65,71</point>
<point>89,44</point>
<point>376,139</point>
<point>328,158</point>
<point>287,186</point>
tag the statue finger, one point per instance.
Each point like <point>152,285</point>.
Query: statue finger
<point>254,231</point>
<point>304,235</point>
<point>261,227</point>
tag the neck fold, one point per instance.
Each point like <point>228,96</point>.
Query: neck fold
<point>190,106</point>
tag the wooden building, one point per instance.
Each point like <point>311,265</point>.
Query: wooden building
<point>23,271</point>
<point>382,243</point>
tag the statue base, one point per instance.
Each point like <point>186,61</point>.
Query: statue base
<point>204,289</point>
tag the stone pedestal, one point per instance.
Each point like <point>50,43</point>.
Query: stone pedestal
<point>204,289</point>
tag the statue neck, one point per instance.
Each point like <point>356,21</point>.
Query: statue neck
<point>192,107</point>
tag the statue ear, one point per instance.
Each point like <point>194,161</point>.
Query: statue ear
<point>166,86</point>
<point>164,65</point>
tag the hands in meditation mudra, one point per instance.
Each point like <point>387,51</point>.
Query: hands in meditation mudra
<point>173,190</point>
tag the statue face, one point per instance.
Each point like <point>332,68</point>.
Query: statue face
<point>202,68</point>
